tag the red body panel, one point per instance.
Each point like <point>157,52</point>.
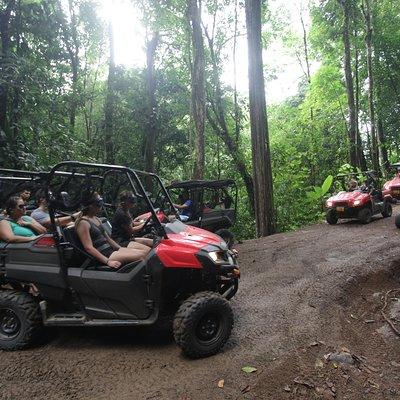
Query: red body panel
<point>392,187</point>
<point>180,249</point>
<point>160,215</point>
<point>348,198</point>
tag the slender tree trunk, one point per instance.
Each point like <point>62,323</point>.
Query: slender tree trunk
<point>198,85</point>
<point>109,139</point>
<point>5,17</point>
<point>220,126</point>
<point>362,163</point>
<point>262,174</point>
<point>352,131</point>
<point>235,94</point>
<point>371,98</point>
<point>151,135</point>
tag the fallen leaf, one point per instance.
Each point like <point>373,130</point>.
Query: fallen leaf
<point>221,383</point>
<point>369,321</point>
<point>249,370</point>
<point>313,344</point>
<point>287,388</point>
<point>373,384</point>
<point>346,350</point>
<point>319,363</point>
<point>353,316</point>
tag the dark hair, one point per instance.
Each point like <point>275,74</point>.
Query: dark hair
<point>127,195</point>
<point>11,203</point>
<point>89,199</point>
<point>39,195</point>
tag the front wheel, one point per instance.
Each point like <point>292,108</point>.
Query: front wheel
<point>20,320</point>
<point>331,217</point>
<point>397,221</point>
<point>203,324</point>
<point>227,235</point>
<point>387,210</point>
<point>365,216</point>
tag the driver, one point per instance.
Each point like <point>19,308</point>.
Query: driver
<point>98,243</point>
<point>186,208</point>
<point>124,227</point>
<point>352,185</point>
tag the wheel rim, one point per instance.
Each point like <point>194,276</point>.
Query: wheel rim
<point>208,327</point>
<point>10,325</point>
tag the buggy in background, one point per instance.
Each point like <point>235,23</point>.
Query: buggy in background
<point>214,205</point>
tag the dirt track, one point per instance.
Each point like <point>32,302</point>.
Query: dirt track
<point>302,295</point>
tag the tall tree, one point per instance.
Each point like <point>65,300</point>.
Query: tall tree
<point>352,129</point>
<point>366,7</point>
<point>109,139</point>
<point>262,174</point>
<point>198,104</point>
<point>150,138</point>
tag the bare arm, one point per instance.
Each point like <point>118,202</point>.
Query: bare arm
<point>83,232</point>
<point>34,225</point>
<point>7,235</point>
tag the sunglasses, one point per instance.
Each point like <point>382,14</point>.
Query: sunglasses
<point>99,202</point>
<point>21,206</point>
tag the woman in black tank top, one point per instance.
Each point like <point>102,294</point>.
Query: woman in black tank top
<point>98,243</point>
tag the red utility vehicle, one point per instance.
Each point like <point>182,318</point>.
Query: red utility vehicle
<point>188,276</point>
<point>393,186</point>
<point>361,203</point>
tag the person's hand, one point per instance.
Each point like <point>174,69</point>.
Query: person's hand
<point>21,222</point>
<point>114,264</point>
<point>77,214</point>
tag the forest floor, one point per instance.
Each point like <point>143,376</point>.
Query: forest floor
<point>303,295</point>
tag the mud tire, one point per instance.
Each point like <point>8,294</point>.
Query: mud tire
<point>227,235</point>
<point>203,324</point>
<point>387,211</point>
<point>20,320</point>
<point>365,216</point>
<point>331,217</point>
<point>397,221</point>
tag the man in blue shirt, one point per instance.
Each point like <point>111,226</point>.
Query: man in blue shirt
<point>186,208</point>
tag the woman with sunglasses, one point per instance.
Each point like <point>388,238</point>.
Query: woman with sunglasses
<point>96,241</point>
<point>17,227</point>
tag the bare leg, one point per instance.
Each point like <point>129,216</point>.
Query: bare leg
<point>146,241</point>
<point>138,246</point>
<point>126,255</point>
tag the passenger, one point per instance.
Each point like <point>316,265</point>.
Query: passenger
<point>41,214</point>
<point>123,225</point>
<point>17,227</point>
<point>98,243</point>
<point>352,185</point>
<point>186,208</point>
<point>25,195</point>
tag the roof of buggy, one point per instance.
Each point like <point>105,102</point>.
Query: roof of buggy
<point>216,184</point>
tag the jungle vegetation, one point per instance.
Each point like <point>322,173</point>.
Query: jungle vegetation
<point>63,96</point>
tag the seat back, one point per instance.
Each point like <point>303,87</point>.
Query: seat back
<point>78,256</point>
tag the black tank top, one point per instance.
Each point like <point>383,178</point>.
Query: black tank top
<point>99,240</point>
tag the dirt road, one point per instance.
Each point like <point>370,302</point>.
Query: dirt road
<point>303,295</point>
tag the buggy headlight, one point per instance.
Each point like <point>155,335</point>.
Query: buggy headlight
<point>329,203</point>
<point>221,257</point>
<point>357,202</point>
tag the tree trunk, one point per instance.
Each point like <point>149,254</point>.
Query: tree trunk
<point>352,131</point>
<point>371,100</point>
<point>109,140</point>
<point>262,174</point>
<point>362,163</point>
<point>220,127</point>
<point>5,17</point>
<point>151,135</point>
<point>198,84</point>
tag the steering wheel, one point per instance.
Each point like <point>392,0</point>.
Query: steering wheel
<point>146,223</point>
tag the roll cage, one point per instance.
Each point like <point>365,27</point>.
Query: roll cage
<point>92,172</point>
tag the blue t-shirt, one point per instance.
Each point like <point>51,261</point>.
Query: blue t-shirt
<point>189,208</point>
